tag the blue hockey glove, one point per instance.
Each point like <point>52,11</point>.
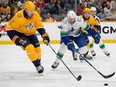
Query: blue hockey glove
<point>96,38</point>
<point>71,47</point>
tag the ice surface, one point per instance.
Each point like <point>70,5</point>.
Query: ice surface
<point>16,70</point>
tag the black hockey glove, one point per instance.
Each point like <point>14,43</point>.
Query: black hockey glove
<point>46,38</point>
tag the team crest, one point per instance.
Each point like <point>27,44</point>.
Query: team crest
<point>30,26</point>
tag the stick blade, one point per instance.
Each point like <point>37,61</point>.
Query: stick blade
<point>109,76</point>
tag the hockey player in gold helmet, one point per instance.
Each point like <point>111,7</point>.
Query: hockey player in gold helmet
<point>21,30</point>
<point>95,25</point>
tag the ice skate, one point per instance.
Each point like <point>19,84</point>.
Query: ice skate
<point>74,56</point>
<point>55,65</point>
<point>40,69</point>
<point>81,57</point>
<point>85,56</point>
<point>88,57</point>
<point>93,53</point>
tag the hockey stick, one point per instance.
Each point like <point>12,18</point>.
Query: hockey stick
<point>77,78</point>
<point>105,76</point>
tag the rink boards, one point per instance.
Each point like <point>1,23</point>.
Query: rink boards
<point>108,33</point>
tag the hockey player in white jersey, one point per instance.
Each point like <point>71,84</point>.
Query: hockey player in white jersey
<point>71,31</point>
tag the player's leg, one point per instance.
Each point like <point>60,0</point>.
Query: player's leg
<point>103,48</point>
<point>88,40</point>
<point>81,43</point>
<point>91,46</point>
<point>62,49</point>
<point>101,44</point>
<point>33,39</point>
<point>74,56</point>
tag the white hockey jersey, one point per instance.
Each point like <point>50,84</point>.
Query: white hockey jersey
<point>97,18</point>
<point>73,29</point>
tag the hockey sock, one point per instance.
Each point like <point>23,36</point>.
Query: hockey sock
<point>102,46</point>
<point>31,53</point>
<point>60,55</point>
<point>38,51</point>
<point>36,62</point>
<point>91,46</point>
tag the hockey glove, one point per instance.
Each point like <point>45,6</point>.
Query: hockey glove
<point>20,42</point>
<point>71,47</point>
<point>96,38</point>
<point>95,35</point>
<point>46,38</point>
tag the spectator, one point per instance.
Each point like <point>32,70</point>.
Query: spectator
<point>5,12</point>
<point>59,5</point>
<point>60,17</point>
<point>40,3</point>
<point>49,18</point>
<point>51,7</point>
<point>100,11</point>
<point>107,10</point>
<point>15,8</point>
<point>113,4</point>
<point>0,4</point>
<point>38,9</point>
<point>20,4</point>
<point>80,9</point>
<point>95,3</point>
<point>104,4</point>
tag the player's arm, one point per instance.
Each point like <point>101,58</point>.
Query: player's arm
<point>64,32</point>
<point>95,35</point>
<point>15,38</point>
<point>12,24</point>
<point>65,38</point>
<point>44,35</point>
<point>96,24</point>
<point>41,30</point>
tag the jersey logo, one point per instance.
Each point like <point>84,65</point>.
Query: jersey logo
<point>72,29</point>
<point>30,26</point>
<point>60,27</point>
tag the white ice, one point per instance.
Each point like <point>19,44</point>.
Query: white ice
<point>16,70</point>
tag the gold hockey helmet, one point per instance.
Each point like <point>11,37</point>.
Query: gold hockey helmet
<point>86,10</point>
<point>29,5</point>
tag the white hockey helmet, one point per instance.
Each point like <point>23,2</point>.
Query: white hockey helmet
<point>71,14</point>
<point>93,8</point>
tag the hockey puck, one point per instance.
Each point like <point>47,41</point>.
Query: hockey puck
<point>79,78</point>
<point>105,84</point>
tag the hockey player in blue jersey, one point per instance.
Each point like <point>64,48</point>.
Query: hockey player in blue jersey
<point>70,31</point>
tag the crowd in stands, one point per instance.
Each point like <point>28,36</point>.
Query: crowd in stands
<point>57,9</point>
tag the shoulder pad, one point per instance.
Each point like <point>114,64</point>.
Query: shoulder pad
<point>64,20</point>
<point>79,19</point>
